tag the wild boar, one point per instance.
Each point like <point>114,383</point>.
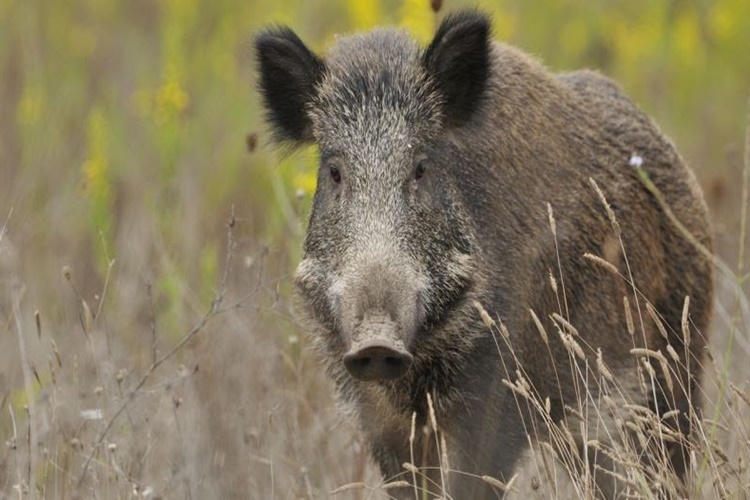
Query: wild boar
<point>462,186</point>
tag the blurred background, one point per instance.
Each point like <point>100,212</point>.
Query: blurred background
<point>138,188</point>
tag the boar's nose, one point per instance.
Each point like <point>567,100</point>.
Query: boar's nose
<point>377,360</point>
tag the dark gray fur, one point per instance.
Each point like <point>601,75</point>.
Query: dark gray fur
<point>496,138</point>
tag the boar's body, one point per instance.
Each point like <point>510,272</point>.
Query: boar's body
<point>437,169</point>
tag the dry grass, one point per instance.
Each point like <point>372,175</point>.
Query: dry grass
<point>233,403</point>
<point>99,404</point>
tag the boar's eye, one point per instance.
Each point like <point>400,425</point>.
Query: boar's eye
<point>335,174</point>
<point>419,171</point>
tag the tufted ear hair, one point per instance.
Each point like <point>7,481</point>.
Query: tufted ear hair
<point>458,59</point>
<point>289,72</point>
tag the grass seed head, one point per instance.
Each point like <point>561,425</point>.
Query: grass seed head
<point>412,432</point>
<point>607,207</point>
<point>667,375</point>
<point>539,327</point>
<point>87,319</point>
<point>673,354</point>
<point>348,487</point>
<point>628,315</point>
<point>552,223</point>
<point>602,367</point>
<point>433,418</point>
<point>657,320</point>
<point>601,262</point>
<point>742,394</point>
<point>567,325</point>
<point>684,323</point>
<point>499,484</point>
<point>410,467</point>
<point>396,484</point>
<point>486,318</point>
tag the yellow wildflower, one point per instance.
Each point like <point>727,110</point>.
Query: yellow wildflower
<point>417,17</point>
<point>30,105</point>
<point>364,13</point>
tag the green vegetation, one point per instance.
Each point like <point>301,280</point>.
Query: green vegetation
<point>141,210</point>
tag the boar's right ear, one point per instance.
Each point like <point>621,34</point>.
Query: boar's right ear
<point>458,59</point>
<point>289,72</point>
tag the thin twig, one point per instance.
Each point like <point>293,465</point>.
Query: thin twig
<point>213,310</point>
<point>110,265</point>
<point>745,189</point>
<point>4,229</point>
<point>30,410</point>
<point>152,314</point>
<point>706,252</point>
<point>13,443</point>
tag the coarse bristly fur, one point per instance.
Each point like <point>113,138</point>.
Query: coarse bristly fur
<point>437,167</point>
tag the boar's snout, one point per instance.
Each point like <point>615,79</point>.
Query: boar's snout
<point>377,353</point>
<point>377,360</point>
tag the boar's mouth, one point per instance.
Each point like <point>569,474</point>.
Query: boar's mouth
<point>377,351</point>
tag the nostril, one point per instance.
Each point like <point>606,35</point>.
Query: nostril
<point>361,362</point>
<point>390,360</point>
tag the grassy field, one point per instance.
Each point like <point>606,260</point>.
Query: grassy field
<point>148,234</point>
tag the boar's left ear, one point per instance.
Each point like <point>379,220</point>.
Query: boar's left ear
<point>289,72</point>
<point>458,59</point>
